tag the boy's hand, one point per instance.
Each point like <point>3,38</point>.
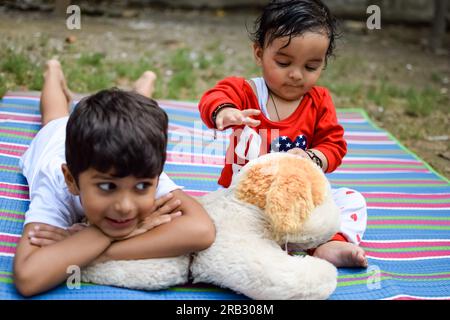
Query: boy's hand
<point>164,210</point>
<point>45,235</point>
<point>235,117</point>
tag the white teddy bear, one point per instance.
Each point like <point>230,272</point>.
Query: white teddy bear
<point>276,199</point>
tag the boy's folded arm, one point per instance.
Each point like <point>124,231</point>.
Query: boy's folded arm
<point>192,231</point>
<point>37,269</point>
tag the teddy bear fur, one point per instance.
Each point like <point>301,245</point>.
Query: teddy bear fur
<point>276,199</point>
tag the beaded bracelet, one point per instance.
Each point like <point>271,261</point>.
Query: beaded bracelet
<point>216,112</point>
<point>218,109</point>
<point>315,158</point>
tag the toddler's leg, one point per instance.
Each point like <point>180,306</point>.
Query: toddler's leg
<point>343,249</point>
<point>55,96</point>
<point>145,85</point>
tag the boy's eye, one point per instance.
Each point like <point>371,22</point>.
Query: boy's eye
<point>143,185</point>
<point>106,186</point>
<point>282,64</point>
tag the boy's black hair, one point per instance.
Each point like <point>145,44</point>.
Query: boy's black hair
<point>117,130</point>
<point>290,18</point>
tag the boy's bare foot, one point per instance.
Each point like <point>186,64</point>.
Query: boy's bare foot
<point>145,85</point>
<point>53,69</point>
<point>342,254</point>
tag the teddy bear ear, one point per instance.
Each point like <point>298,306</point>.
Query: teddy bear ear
<point>254,183</point>
<point>297,189</point>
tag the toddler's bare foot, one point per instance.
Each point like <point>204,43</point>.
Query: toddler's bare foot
<point>145,85</point>
<point>342,254</point>
<point>53,69</point>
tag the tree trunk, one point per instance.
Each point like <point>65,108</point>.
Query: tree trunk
<point>439,25</point>
<point>61,7</point>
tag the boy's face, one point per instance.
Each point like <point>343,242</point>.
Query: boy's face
<point>292,71</point>
<point>115,205</point>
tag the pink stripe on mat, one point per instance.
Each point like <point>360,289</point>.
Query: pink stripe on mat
<point>20,133</point>
<point>4,249</point>
<point>406,195</point>
<point>408,182</point>
<point>367,138</point>
<point>20,118</point>
<point>388,245</point>
<point>13,186</point>
<point>194,158</point>
<point>412,205</point>
<point>196,193</point>
<point>368,169</point>
<point>12,215</point>
<point>9,168</point>
<point>14,195</point>
<point>12,239</point>
<point>408,255</point>
<point>11,153</point>
<point>191,106</point>
<point>413,222</point>
<point>13,147</point>
<point>194,175</point>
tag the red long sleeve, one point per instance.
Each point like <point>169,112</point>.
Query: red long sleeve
<point>230,90</point>
<point>329,134</point>
<point>314,121</point>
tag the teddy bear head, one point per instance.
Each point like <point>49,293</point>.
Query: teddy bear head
<point>294,196</point>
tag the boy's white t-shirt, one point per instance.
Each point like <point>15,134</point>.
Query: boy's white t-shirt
<point>50,200</point>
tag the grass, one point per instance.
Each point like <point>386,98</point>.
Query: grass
<point>185,72</point>
<point>188,73</point>
<point>18,69</point>
<point>88,72</point>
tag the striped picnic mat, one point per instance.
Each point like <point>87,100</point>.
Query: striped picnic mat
<point>408,234</point>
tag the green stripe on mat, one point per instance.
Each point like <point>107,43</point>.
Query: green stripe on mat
<point>367,274</point>
<point>12,219</point>
<point>8,244</point>
<point>6,280</point>
<point>13,191</point>
<point>12,211</point>
<point>17,136</point>
<point>21,129</point>
<point>365,281</point>
<point>409,249</point>
<point>9,170</point>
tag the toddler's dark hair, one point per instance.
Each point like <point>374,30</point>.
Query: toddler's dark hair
<point>290,18</point>
<point>117,130</point>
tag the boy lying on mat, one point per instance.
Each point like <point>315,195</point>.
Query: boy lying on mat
<point>104,162</point>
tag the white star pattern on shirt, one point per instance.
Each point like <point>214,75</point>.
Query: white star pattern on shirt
<point>284,143</point>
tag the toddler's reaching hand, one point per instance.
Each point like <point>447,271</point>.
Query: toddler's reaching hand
<point>235,117</point>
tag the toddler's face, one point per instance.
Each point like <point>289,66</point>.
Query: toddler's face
<point>116,205</point>
<point>292,71</point>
